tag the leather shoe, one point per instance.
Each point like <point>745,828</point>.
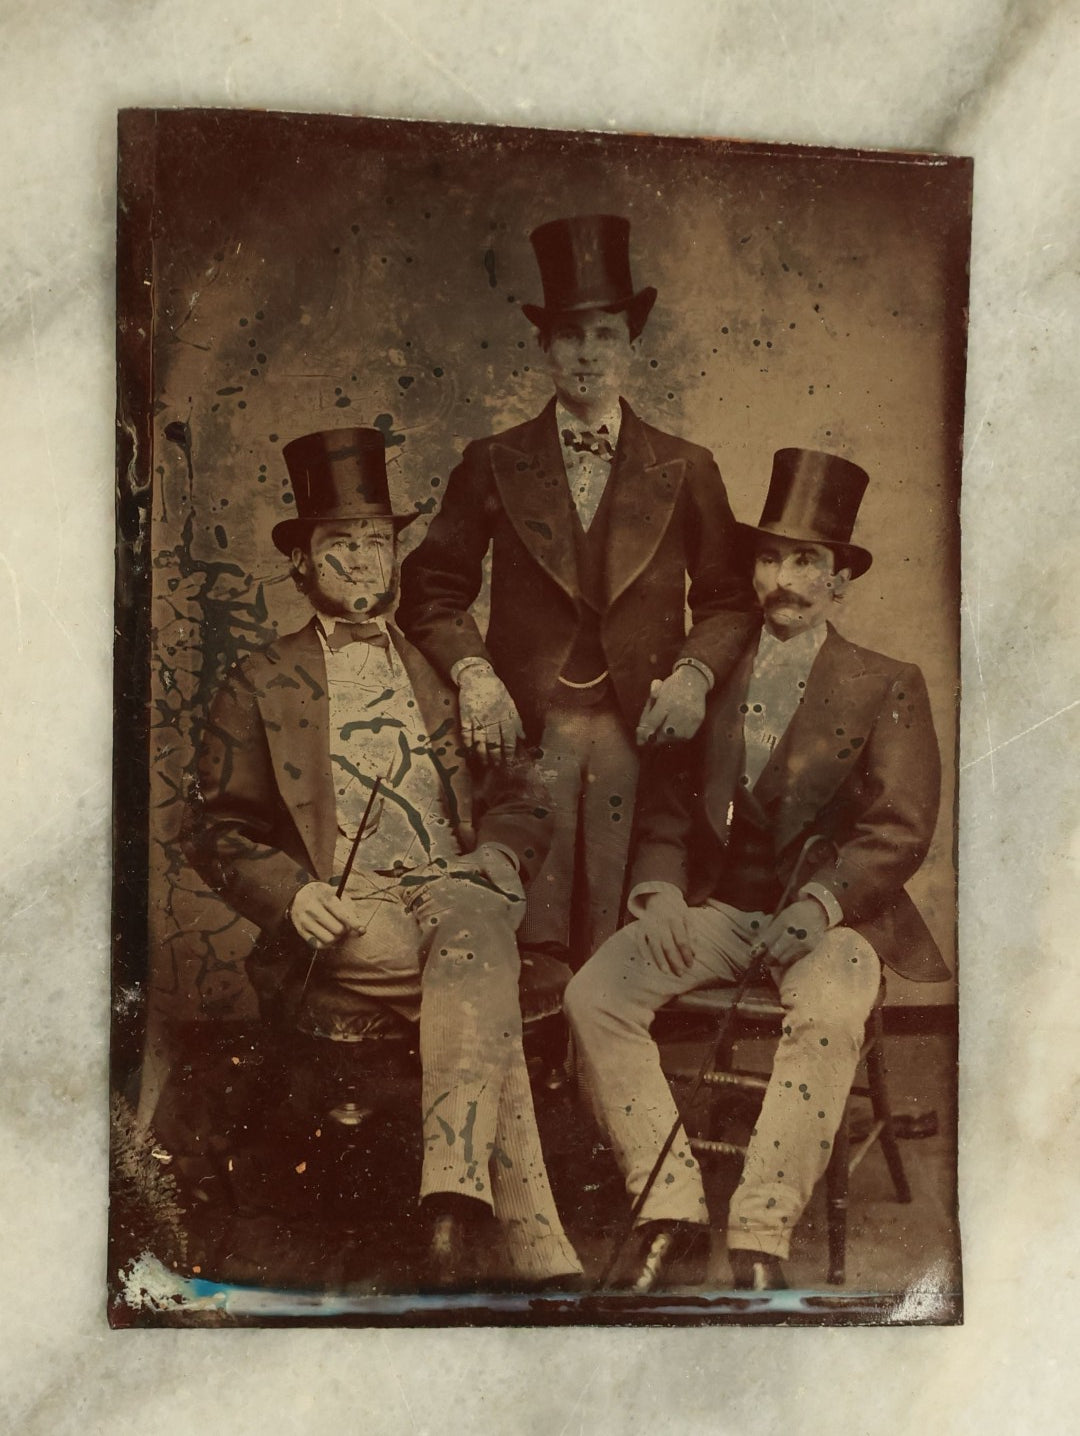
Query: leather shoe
<point>756,1271</point>
<point>452,1245</point>
<point>663,1254</point>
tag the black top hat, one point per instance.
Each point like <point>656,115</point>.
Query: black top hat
<point>585,264</point>
<point>815,497</point>
<point>336,474</point>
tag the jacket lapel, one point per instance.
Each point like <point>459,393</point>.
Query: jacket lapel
<point>725,746</point>
<point>822,742</point>
<point>643,499</point>
<point>531,480</point>
<point>437,703</point>
<point>295,712</point>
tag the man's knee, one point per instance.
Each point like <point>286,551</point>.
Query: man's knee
<point>604,986</point>
<point>468,904</point>
<point>580,999</point>
<point>389,942</point>
<point>830,994</point>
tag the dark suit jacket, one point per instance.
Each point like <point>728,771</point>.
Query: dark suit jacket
<point>858,764</point>
<point>670,517</point>
<point>262,821</point>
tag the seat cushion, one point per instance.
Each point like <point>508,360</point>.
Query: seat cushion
<point>343,1016</point>
<point>542,984</point>
<point>760,1002</point>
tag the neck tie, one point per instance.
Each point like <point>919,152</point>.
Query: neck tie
<point>345,633</point>
<point>586,442</point>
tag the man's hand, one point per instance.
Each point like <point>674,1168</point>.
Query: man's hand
<point>488,868</point>
<point>794,932</point>
<point>490,724</point>
<point>663,932</point>
<point>676,708</point>
<point>320,916</point>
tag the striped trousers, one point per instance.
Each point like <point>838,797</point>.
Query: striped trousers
<point>446,950</point>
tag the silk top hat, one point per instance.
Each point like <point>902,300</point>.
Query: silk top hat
<point>585,264</point>
<point>336,474</point>
<point>815,497</point>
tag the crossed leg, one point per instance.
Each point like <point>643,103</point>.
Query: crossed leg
<point>454,947</point>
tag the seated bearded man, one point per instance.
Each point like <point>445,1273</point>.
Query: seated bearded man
<point>810,735</point>
<point>296,742</point>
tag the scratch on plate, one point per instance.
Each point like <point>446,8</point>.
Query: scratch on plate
<point>18,600</point>
<point>432,59</point>
<point>1017,736</point>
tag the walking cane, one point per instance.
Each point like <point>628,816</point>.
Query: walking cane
<point>343,879</point>
<point>750,975</point>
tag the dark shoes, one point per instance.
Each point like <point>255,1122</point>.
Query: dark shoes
<point>455,1227</point>
<point>459,1235</point>
<point>664,1254</point>
<point>756,1271</point>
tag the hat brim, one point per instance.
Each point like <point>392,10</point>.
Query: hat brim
<point>848,555</point>
<point>290,532</point>
<point>636,307</point>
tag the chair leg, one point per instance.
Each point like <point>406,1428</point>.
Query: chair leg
<point>879,1099</point>
<point>836,1203</point>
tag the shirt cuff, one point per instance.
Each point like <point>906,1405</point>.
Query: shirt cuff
<point>635,903</point>
<point>702,668</point>
<point>833,911</point>
<point>507,853</point>
<point>474,660</point>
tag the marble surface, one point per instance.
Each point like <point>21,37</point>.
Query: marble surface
<point>984,77</point>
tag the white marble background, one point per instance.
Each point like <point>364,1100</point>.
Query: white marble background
<point>995,78</point>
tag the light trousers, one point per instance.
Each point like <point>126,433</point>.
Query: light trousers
<point>449,948</point>
<point>589,767</point>
<point>827,997</point>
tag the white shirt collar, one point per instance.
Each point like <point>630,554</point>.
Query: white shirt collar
<point>327,622</point>
<point>803,648</point>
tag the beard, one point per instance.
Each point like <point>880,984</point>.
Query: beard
<point>353,603</point>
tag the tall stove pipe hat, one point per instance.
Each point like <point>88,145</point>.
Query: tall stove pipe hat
<point>336,474</point>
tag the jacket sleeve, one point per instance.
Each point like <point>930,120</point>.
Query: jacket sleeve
<point>664,820</point>
<point>891,835</point>
<point>236,815</point>
<point>723,611</point>
<point>441,578</point>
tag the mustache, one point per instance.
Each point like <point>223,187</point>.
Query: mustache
<point>783,598</point>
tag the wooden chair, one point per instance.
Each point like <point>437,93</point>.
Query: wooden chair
<point>760,1013</point>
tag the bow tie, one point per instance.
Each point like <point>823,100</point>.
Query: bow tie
<point>586,442</point>
<point>346,633</point>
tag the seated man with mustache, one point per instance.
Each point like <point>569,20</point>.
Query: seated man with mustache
<point>809,735</point>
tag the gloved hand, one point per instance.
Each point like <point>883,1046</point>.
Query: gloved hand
<point>320,916</point>
<point>675,709</point>
<point>490,723</point>
<point>663,932</point>
<point>794,932</point>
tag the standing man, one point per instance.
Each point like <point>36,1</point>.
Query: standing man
<point>809,735</point>
<point>428,919</point>
<point>594,520</point>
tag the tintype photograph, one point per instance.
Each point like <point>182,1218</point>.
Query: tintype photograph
<point>537,682</point>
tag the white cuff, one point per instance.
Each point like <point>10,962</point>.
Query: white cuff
<point>635,905</point>
<point>833,911</point>
<point>702,668</point>
<point>507,853</point>
<point>474,660</point>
